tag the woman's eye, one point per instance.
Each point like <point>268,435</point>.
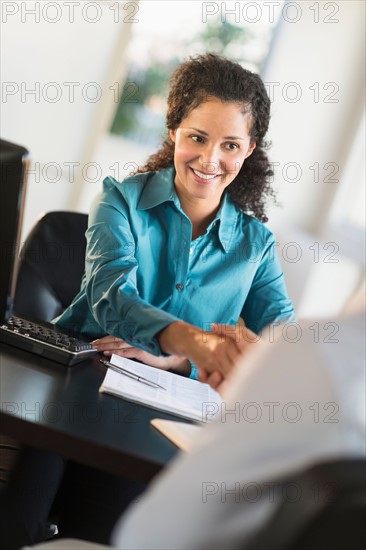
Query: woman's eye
<point>197,139</point>
<point>232,146</point>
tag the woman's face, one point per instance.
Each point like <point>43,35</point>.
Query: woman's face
<point>211,145</point>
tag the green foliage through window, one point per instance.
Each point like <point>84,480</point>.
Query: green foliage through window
<point>140,113</point>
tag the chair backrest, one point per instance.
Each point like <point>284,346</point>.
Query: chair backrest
<point>51,265</point>
<point>329,512</point>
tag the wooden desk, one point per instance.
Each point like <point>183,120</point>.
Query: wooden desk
<point>60,409</point>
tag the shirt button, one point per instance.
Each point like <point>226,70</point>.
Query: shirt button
<point>191,251</point>
<point>179,286</point>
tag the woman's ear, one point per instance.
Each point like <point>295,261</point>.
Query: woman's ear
<point>172,135</point>
<point>251,149</point>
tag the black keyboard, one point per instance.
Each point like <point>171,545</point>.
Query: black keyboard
<point>46,340</point>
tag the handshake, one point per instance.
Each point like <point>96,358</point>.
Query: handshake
<point>213,352</point>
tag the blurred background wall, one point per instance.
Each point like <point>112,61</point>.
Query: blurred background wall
<point>83,87</point>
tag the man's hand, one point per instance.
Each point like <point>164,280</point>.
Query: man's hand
<point>111,344</point>
<point>216,379</point>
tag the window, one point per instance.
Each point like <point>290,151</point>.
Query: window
<point>168,32</point>
<point>347,216</point>
<point>163,35</point>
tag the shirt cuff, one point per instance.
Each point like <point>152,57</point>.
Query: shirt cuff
<point>194,371</point>
<point>140,326</point>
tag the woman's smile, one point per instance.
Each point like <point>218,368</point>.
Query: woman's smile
<point>202,177</point>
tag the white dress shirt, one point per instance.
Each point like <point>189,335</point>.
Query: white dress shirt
<point>293,404</point>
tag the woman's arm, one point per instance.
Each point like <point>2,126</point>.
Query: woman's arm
<point>212,352</point>
<point>111,275</point>
<point>267,301</point>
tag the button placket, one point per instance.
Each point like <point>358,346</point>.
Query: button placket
<point>182,263</point>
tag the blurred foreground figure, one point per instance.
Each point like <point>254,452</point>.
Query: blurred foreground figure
<point>294,405</point>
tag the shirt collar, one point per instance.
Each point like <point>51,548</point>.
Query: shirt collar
<point>159,188</point>
<point>226,217</point>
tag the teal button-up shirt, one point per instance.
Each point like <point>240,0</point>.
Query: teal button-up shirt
<point>143,272</point>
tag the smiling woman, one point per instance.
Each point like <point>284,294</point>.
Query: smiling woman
<point>185,214</point>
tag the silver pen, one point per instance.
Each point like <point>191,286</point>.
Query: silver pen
<point>132,375</point>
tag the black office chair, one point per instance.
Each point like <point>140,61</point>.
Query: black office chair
<point>326,512</point>
<point>51,265</point>
<point>50,272</point>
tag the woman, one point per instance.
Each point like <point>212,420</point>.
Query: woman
<point>170,250</point>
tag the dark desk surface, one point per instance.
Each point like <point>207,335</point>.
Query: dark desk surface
<point>60,409</point>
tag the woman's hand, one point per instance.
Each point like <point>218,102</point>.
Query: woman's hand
<point>111,344</point>
<point>213,352</point>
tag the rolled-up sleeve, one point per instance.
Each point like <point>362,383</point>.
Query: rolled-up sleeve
<point>267,301</point>
<point>111,282</point>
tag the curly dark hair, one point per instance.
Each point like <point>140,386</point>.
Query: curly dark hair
<point>212,76</point>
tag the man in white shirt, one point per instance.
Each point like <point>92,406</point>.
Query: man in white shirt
<point>294,403</point>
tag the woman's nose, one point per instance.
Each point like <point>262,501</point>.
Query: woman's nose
<point>210,159</point>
